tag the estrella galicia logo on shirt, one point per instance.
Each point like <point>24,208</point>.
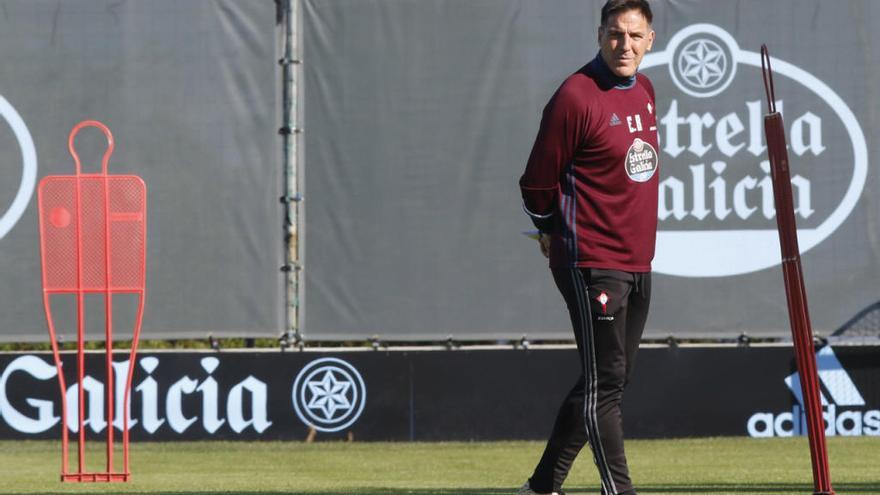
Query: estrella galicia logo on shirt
<point>641,161</point>
<point>716,214</point>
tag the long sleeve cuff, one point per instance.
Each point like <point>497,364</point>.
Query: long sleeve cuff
<point>544,223</point>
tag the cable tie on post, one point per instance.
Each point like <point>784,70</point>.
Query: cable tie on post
<point>290,267</point>
<point>289,61</point>
<point>296,198</point>
<point>287,130</point>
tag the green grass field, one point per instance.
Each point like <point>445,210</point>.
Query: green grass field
<point>716,466</point>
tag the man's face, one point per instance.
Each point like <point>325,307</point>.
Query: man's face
<point>623,41</point>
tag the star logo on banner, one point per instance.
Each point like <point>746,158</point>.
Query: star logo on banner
<point>329,395</point>
<point>702,63</point>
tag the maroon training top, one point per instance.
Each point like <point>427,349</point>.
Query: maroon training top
<point>591,180</point>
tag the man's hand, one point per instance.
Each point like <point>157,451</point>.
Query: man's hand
<point>544,243</point>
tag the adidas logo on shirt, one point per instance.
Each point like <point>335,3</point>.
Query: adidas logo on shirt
<point>615,120</point>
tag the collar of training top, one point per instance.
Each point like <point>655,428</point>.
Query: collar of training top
<point>608,78</point>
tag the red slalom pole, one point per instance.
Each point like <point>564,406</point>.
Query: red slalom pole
<point>796,294</point>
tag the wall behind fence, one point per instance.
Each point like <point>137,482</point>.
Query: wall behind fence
<point>188,88</point>
<point>419,118</point>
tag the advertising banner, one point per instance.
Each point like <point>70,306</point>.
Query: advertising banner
<point>437,395</point>
<point>417,120</point>
<point>418,135</point>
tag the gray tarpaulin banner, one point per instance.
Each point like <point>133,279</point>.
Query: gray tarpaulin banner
<point>189,90</point>
<point>420,115</point>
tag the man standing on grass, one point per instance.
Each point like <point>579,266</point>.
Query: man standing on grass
<point>590,187</point>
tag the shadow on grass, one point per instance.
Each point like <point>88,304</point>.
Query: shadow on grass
<point>757,488</point>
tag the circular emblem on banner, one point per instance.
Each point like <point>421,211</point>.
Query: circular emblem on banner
<point>329,394</point>
<point>702,62</point>
<point>641,161</point>
<point>715,216</point>
<point>10,216</point>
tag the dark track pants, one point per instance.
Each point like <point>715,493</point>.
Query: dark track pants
<point>608,311</point>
